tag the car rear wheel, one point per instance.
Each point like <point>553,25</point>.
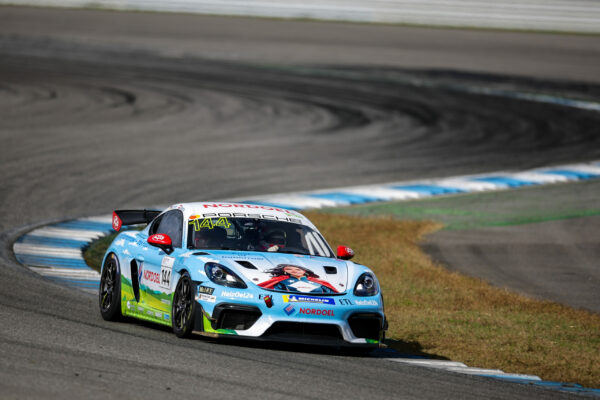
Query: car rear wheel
<point>184,304</point>
<point>110,289</point>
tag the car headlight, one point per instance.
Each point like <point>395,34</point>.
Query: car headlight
<point>221,275</point>
<point>366,285</point>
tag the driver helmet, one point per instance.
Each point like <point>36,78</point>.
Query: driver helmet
<point>273,240</point>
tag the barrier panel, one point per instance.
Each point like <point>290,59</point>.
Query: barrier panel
<point>581,16</point>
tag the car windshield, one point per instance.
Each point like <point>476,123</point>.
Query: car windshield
<point>247,234</point>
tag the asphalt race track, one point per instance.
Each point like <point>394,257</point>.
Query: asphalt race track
<point>103,110</point>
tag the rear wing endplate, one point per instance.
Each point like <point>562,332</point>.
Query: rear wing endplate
<point>132,217</point>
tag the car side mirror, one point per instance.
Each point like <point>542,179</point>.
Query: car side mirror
<point>162,241</point>
<point>344,252</point>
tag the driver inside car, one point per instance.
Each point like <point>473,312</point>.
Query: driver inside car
<point>210,238</point>
<point>273,240</point>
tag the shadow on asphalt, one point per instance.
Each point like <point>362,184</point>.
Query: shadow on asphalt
<point>393,348</point>
<point>408,350</point>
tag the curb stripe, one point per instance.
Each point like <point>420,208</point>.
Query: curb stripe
<point>339,197</point>
<point>55,242</point>
<point>571,173</point>
<point>429,190</point>
<point>345,198</point>
<point>506,180</point>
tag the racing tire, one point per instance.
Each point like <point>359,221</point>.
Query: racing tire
<point>109,296</point>
<point>184,307</point>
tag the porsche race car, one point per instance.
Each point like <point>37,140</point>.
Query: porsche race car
<point>239,270</point>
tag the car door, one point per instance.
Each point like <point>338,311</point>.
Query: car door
<point>156,269</point>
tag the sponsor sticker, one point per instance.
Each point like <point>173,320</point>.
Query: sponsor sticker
<point>293,298</point>
<point>316,311</point>
<point>366,303</point>
<point>166,267</point>
<point>237,295</point>
<point>206,290</point>
<point>207,297</point>
<point>345,302</point>
<point>289,310</point>
<point>150,276</point>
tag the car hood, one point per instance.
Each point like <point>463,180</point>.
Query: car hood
<point>321,275</point>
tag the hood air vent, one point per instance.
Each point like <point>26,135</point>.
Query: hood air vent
<point>200,253</point>
<point>330,270</point>
<point>246,264</point>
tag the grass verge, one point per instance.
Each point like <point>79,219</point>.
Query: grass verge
<point>94,253</point>
<point>447,315</point>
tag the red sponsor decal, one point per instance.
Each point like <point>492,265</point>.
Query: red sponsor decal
<point>116,222</point>
<point>317,311</point>
<point>254,206</point>
<point>151,276</point>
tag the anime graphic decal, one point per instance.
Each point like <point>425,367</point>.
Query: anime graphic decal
<point>293,278</point>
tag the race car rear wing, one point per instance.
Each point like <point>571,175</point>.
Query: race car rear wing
<point>132,217</point>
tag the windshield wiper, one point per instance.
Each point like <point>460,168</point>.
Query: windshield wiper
<point>292,252</point>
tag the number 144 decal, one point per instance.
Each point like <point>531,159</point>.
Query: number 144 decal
<point>166,267</point>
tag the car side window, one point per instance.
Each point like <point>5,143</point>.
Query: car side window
<point>170,223</point>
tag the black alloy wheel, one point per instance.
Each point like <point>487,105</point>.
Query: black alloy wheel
<point>110,289</point>
<point>184,306</point>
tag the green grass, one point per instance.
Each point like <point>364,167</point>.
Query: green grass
<point>94,253</point>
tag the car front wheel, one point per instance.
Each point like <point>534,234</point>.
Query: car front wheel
<point>184,305</point>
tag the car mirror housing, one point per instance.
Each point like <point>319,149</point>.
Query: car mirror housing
<point>345,252</point>
<point>162,241</point>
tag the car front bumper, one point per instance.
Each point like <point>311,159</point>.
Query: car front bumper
<point>286,317</point>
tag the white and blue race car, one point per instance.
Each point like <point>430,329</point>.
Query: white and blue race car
<point>240,270</point>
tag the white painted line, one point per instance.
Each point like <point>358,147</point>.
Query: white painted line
<point>476,371</point>
<point>31,249</point>
<point>83,274</point>
<point>517,376</point>
<point>429,362</point>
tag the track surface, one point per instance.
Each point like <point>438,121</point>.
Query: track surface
<point>566,253</point>
<point>101,110</point>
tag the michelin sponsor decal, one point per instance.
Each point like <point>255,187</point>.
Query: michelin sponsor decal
<point>292,298</point>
